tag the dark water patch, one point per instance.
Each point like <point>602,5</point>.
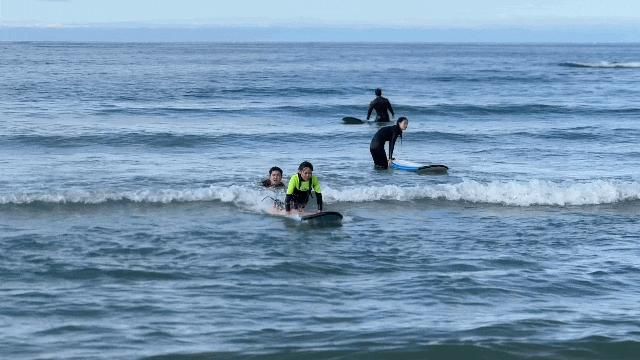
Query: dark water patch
<point>491,78</point>
<point>529,328</point>
<point>33,295</point>
<point>94,273</point>
<point>290,91</point>
<point>137,251</point>
<point>32,242</point>
<point>570,287</point>
<point>517,110</point>
<point>167,140</point>
<point>164,111</point>
<point>71,310</point>
<point>339,111</point>
<point>595,348</point>
<point>160,140</point>
<point>69,330</point>
<point>456,267</point>
<point>478,295</point>
<point>441,136</point>
<point>512,263</point>
<point>289,268</point>
<point>563,134</point>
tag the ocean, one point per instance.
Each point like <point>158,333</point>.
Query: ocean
<point>132,225</point>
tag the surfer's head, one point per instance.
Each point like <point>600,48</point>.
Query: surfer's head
<point>378,92</point>
<point>275,175</point>
<point>305,170</point>
<point>275,169</point>
<point>403,123</point>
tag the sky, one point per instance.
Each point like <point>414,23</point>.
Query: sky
<point>612,20</point>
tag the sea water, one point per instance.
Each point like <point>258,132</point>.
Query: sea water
<point>132,224</point>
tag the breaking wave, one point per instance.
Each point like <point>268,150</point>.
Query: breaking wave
<point>603,65</point>
<point>509,193</point>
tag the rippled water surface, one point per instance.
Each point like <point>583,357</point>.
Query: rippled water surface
<point>132,225</point>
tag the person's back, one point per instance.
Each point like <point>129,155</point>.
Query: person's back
<point>382,107</point>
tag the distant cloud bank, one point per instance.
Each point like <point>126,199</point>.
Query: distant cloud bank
<point>138,33</point>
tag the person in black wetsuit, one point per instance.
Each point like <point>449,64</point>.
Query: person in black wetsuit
<point>382,106</point>
<point>390,134</point>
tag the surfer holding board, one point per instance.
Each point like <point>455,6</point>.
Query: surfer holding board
<point>386,134</point>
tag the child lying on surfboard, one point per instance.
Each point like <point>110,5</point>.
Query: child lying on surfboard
<point>300,186</point>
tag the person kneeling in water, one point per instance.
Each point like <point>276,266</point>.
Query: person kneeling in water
<point>390,134</point>
<point>300,186</point>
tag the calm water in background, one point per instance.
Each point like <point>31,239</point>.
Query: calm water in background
<point>131,225</point>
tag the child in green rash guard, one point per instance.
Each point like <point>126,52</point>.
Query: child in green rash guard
<point>300,186</point>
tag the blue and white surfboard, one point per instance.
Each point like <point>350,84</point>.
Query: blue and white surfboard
<point>419,168</point>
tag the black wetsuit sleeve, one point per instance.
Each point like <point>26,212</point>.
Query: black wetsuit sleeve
<point>392,144</point>
<point>319,201</point>
<point>390,108</point>
<point>370,110</point>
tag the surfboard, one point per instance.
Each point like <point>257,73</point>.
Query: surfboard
<point>350,120</point>
<point>433,169</point>
<point>323,218</point>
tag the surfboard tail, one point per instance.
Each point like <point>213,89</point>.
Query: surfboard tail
<point>323,218</point>
<point>349,120</point>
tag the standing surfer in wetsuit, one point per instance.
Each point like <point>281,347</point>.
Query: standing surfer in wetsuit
<point>390,134</point>
<point>300,186</point>
<point>382,106</point>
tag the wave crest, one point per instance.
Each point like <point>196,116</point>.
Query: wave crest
<point>511,193</point>
<point>603,65</point>
<point>230,194</point>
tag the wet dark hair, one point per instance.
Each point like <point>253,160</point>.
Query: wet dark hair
<point>378,92</point>
<point>305,164</point>
<point>401,119</point>
<point>275,168</point>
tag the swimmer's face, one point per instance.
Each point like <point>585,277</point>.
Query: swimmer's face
<point>306,173</point>
<point>275,177</point>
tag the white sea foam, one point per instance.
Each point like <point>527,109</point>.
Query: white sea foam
<point>230,194</point>
<point>513,193</point>
<point>605,64</point>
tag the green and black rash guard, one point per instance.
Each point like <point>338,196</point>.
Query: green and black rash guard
<point>299,191</point>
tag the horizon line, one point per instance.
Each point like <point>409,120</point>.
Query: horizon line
<point>321,34</point>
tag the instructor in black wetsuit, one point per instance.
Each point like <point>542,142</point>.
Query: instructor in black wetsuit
<point>382,106</point>
<point>390,134</point>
